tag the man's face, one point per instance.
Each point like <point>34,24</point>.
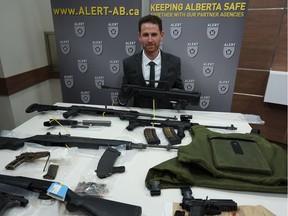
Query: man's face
<point>150,38</point>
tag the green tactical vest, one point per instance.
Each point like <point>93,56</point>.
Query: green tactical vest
<point>245,162</point>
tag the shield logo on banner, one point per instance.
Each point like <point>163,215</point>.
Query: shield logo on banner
<point>175,31</point>
<point>208,70</point>
<point>85,97</point>
<point>229,50</point>
<point>204,102</point>
<point>113,31</point>
<point>69,82</point>
<point>189,86</point>
<point>130,49</point>
<point>114,67</point>
<point>212,32</point>
<point>99,82</point>
<point>83,66</point>
<point>97,49</point>
<point>223,87</point>
<point>192,50</point>
<point>79,30</point>
<point>65,48</point>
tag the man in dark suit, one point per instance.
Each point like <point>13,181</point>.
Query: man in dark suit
<point>165,69</point>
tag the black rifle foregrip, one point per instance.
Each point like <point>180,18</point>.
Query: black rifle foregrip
<point>224,205</point>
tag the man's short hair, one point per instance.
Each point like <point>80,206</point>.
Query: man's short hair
<point>150,19</point>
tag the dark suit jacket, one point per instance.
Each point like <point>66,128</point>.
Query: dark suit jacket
<point>170,78</point>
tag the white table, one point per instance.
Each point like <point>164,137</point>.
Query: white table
<point>129,187</point>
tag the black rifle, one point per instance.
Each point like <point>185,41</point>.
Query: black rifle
<point>176,95</point>
<point>72,141</point>
<point>75,110</point>
<point>200,207</point>
<point>180,126</point>
<point>9,200</point>
<point>88,204</point>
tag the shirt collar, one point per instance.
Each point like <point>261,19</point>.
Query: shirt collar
<point>157,60</point>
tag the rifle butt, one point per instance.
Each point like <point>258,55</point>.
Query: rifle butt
<point>11,143</point>
<point>94,206</point>
<point>39,108</point>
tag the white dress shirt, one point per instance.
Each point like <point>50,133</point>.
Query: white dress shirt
<point>146,68</point>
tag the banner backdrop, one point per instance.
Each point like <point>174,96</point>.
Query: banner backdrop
<point>93,37</point>
<point>207,36</point>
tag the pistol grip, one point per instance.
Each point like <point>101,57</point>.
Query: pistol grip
<point>132,125</point>
<point>8,201</point>
<point>180,132</point>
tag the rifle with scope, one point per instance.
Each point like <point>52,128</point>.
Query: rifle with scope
<point>87,204</point>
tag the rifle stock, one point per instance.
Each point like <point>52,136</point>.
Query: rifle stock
<point>11,143</point>
<point>97,207</point>
<point>88,204</point>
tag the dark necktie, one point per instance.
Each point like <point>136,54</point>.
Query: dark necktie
<point>152,74</point>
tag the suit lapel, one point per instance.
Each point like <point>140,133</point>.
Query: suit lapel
<point>138,59</point>
<point>164,70</point>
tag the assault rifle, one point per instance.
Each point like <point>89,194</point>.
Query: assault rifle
<point>176,95</point>
<point>180,126</point>
<point>87,204</point>
<point>75,110</point>
<point>199,207</point>
<point>13,143</point>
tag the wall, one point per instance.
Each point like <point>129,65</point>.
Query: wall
<point>22,49</point>
<point>264,48</point>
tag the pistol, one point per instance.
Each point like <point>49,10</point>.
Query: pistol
<point>26,157</point>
